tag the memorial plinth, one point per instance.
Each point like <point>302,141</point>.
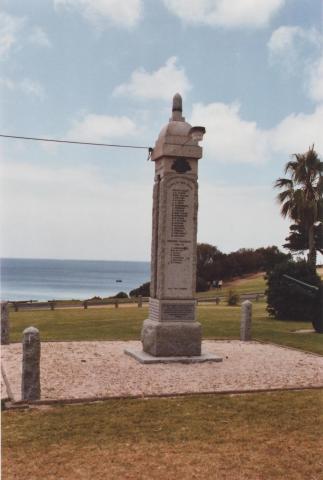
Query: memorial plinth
<point>171,329</point>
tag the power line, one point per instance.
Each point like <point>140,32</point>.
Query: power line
<point>76,142</point>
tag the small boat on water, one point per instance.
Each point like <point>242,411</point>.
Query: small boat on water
<point>118,281</point>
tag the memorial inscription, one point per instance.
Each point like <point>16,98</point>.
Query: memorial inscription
<point>180,207</point>
<point>179,237</point>
<point>178,312</point>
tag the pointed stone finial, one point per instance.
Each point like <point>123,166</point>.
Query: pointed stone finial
<point>177,108</point>
<point>177,103</point>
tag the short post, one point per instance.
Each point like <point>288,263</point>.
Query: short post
<point>217,300</point>
<point>52,305</point>
<point>5,328</point>
<point>116,304</point>
<point>15,306</point>
<point>140,301</point>
<point>30,382</point>
<point>85,305</point>
<point>246,318</point>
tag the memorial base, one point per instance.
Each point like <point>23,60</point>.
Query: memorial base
<point>146,358</point>
<point>171,339</point>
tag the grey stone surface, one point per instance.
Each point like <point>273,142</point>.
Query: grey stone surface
<point>171,339</point>
<point>30,382</point>
<point>246,319</point>
<point>5,326</point>
<point>146,358</point>
<point>172,329</point>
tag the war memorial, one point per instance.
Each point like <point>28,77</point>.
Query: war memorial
<point>171,331</point>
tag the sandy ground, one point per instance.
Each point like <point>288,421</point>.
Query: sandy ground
<point>76,370</point>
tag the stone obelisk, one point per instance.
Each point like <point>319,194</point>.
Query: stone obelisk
<point>171,329</point>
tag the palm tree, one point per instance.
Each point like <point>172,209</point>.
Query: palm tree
<point>301,195</point>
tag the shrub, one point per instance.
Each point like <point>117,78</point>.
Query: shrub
<point>121,295</point>
<point>201,285</point>
<point>233,298</point>
<point>288,300</point>
<point>143,290</point>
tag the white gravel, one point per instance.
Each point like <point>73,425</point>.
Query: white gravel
<point>76,370</point>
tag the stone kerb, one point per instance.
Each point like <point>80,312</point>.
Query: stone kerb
<point>246,319</point>
<point>30,382</point>
<point>5,327</point>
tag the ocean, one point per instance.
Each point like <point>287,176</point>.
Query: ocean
<point>41,279</point>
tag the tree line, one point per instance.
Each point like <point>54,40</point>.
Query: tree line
<point>214,265</point>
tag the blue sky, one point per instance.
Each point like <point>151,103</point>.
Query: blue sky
<point>250,71</point>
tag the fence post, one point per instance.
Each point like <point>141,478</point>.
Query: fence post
<point>85,305</point>
<point>15,306</point>
<point>5,326</point>
<point>116,303</point>
<point>30,382</point>
<point>140,301</point>
<point>246,318</point>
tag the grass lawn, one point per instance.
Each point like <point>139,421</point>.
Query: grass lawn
<point>248,284</point>
<point>124,323</point>
<point>255,437</point>
<point>267,436</point>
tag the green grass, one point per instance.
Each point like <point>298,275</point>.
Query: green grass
<point>79,324</point>
<point>260,436</point>
<point>248,437</point>
<point>245,285</point>
<point>125,323</point>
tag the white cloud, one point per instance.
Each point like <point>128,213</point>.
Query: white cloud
<point>10,27</point>
<point>81,214</point>
<point>125,13</point>
<point>287,38</point>
<point>315,83</point>
<point>78,213</point>
<point>300,50</point>
<point>160,84</point>
<point>31,87</point>
<point>297,132</point>
<point>39,37</point>
<point>228,137</point>
<point>7,83</point>
<point>101,128</point>
<point>26,86</point>
<point>283,38</point>
<point>226,13</point>
<point>250,218</point>
<point>15,31</point>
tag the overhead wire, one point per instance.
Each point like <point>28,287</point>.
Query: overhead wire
<point>116,145</point>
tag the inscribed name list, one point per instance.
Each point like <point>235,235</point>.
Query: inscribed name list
<point>180,231</point>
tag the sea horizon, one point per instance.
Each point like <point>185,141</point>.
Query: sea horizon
<point>25,278</point>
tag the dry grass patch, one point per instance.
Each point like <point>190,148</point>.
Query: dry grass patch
<point>263,436</point>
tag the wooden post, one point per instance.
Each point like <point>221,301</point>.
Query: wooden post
<point>5,330</point>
